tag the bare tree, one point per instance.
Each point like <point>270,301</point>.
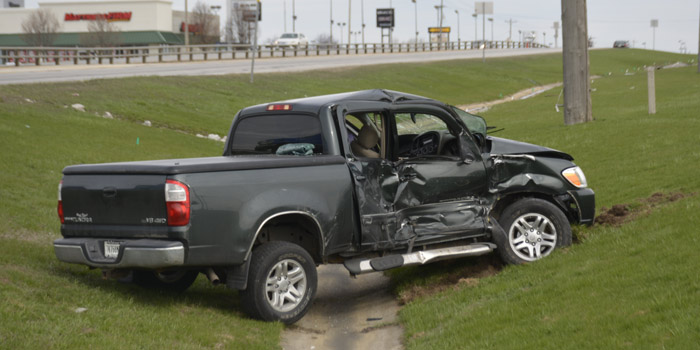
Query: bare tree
<point>205,24</point>
<point>101,33</point>
<point>40,28</point>
<point>237,29</point>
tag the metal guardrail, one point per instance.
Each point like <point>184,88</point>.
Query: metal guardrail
<point>18,56</point>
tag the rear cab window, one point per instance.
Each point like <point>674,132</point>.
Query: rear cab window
<point>281,134</point>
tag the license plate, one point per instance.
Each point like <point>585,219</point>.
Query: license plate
<point>111,250</point>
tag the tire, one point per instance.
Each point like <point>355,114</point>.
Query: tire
<point>176,281</point>
<point>532,229</point>
<point>281,283</point>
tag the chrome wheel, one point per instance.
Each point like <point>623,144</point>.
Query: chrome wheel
<point>286,285</point>
<point>532,236</point>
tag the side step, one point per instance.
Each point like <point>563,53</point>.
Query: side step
<point>360,266</point>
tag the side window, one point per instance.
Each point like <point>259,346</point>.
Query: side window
<point>421,135</point>
<point>366,134</point>
<point>280,134</point>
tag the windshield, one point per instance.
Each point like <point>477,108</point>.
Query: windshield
<point>417,123</point>
<point>475,123</point>
<point>289,36</point>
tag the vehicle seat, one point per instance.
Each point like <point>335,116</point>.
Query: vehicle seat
<point>367,138</point>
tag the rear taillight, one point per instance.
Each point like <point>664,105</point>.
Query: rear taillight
<point>177,201</point>
<point>60,203</point>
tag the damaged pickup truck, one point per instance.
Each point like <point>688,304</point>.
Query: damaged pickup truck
<point>371,179</point>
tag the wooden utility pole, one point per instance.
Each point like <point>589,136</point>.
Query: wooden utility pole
<point>577,85</point>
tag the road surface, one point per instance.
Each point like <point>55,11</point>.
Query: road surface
<point>45,74</point>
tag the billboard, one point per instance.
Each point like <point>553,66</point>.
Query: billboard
<point>483,7</point>
<point>248,8</point>
<point>385,18</point>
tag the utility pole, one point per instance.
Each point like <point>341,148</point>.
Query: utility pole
<point>544,38</point>
<point>255,42</point>
<point>442,15</point>
<point>483,31</point>
<point>415,5</point>
<point>654,24</point>
<point>349,22</point>
<point>285,15</point>
<point>439,19</point>
<point>294,17</point>
<point>187,26</point>
<point>459,38</point>
<point>475,23</point>
<point>556,34</point>
<point>491,20</point>
<point>510,28</point>
<point>331,38</point>
<point>362,15</point>
<point>577,85</point>
<point>484,8</point>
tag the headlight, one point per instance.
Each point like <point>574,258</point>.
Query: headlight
<point>575,177</point>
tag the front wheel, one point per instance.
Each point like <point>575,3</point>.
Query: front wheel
<point>281,283</point>
<point>533,229</point>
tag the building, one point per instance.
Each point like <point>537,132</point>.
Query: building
<point>138,23</point>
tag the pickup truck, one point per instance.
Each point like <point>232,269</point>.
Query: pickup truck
<point>371,179</point>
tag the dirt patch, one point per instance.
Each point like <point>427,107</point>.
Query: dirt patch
<point>462,277</point>
<point>619,214</point>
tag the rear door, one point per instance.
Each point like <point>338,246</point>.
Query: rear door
<point>374,178</point>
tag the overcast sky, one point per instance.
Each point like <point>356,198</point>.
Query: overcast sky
<point>608,20</point>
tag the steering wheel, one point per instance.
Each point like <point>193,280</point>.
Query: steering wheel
<point>426,143</point>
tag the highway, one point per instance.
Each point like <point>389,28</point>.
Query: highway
<point>46,74</point>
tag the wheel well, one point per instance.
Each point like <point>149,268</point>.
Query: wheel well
<point>298,229</point>
<point>509,199</point>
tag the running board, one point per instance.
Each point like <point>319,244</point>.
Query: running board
<point>360,266</point>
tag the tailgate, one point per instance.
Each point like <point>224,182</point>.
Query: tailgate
<point>114,200</point>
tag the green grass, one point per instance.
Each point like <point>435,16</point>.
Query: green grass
<point>630,287</point>
<point>40,294</point>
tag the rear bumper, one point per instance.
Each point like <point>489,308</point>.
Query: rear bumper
<point>133,253</point>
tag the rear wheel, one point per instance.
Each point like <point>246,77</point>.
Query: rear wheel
<point>175,281</point>
<point>281,283</point>
<point>533,229</point>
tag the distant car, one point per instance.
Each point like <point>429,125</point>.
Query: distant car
<point>291,39</point>
<point>621,44</point>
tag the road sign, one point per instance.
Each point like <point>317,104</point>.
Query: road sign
<point>438,30</point>
<point>250,9</point>
<point>483,7</point>
<point>385,18</point>
<point>654,23</point>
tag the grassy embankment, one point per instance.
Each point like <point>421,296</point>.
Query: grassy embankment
<point>635,286</point>
<point>41,136</point>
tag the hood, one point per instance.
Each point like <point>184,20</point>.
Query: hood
<point>506,146</point>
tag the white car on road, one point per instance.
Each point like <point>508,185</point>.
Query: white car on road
<point>291,39</point>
